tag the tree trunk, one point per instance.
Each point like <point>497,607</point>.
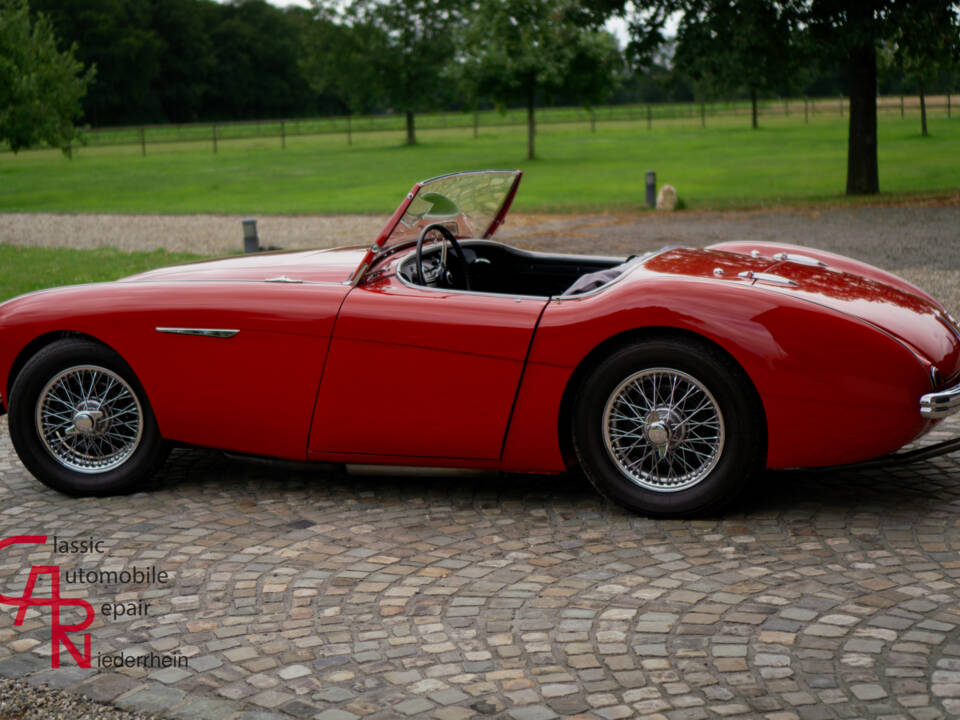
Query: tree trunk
<point>753,108</point>
<point>862,175</point>
<point>531,121</point>
<point>923,108</point>
<point>411,130</point>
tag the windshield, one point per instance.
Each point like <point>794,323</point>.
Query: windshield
<point>469,204</point>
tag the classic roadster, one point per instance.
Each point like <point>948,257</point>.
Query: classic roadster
<point>670,378</point>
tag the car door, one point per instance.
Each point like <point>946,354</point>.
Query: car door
<point>417,372</point>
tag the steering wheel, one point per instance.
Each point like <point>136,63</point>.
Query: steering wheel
<point>442,274</point>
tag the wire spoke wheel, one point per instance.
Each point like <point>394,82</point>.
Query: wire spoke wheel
<point>663,429</point>
<point>89,419</point>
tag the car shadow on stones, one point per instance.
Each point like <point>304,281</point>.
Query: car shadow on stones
<point>915,489</point>
<point>200,471</point>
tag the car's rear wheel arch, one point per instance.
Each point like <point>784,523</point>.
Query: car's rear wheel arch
<point>612,345</point>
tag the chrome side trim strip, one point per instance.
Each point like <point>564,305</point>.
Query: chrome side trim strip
<point>940,404</point>
<point>202,332</point>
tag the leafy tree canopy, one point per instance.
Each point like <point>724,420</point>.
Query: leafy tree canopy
<point>515,50</point>
<point>40,86</point>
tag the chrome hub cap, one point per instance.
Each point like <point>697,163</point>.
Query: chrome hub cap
<point>663,429</point>
<point>89,419</point>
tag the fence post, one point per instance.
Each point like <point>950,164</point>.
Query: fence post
<point>143,144</point>
<point>901,107</point>
<point>283,135</point>
<point>806,110</point>
<point>593,121</point>
<point>476,124</point>
<point>841,105</point>
<point>349,130</point>
<point>948,106</point>
<point>786,107</point>
<point>214,139</point>
<point>703,115</point>
<point>649,117</point>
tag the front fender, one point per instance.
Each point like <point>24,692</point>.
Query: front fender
<point>253,392</point>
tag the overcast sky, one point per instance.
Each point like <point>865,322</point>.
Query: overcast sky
<point>615,25</point>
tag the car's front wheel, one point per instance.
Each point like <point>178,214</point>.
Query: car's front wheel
<point>669,427</point>
<point>81,422</point>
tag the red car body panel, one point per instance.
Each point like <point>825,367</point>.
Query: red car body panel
<point>459,357</point>
<point>336,358</point>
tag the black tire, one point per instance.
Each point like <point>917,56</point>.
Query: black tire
<point>121,447</point>
<point>661,457</point>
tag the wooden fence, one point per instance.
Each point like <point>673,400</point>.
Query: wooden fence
<point>651,114</point>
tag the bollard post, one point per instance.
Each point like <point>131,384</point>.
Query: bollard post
<point>651,188</point>
<point>251,243</point>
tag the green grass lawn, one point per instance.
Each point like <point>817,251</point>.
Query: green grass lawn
<point>23,269</point>
<point>725,165</point>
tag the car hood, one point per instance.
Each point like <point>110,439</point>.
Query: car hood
<point>304,266</point>
<point>918,321</point>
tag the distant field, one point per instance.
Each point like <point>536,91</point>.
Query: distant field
<point>724,165</point>
<point>23,269</point>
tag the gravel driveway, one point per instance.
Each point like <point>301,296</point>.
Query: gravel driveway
<point>921,243</point>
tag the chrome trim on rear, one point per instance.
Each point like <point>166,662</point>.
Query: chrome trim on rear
<point>938,405</point>
<point>765,277</point>
<point>799,259</point>
<point>201,332</point>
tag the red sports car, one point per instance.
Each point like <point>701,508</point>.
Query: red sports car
<point>670,378</point>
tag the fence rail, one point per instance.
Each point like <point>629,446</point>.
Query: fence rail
<point>348,126</point>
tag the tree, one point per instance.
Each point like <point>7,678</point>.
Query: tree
<point>409,43</point>
<point>855,29</point>
<point>922,44</point>
<point>40,86</point>
<point>336,61</point>
<point>516,50</point>
<point>847,30</point>
<point>115,36</point>
<point>750,44</point>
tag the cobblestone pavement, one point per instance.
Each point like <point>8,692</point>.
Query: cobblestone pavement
<point>315,595</point>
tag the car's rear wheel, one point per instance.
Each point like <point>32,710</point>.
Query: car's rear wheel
<point>669,427</point>
<point>80,420</point>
